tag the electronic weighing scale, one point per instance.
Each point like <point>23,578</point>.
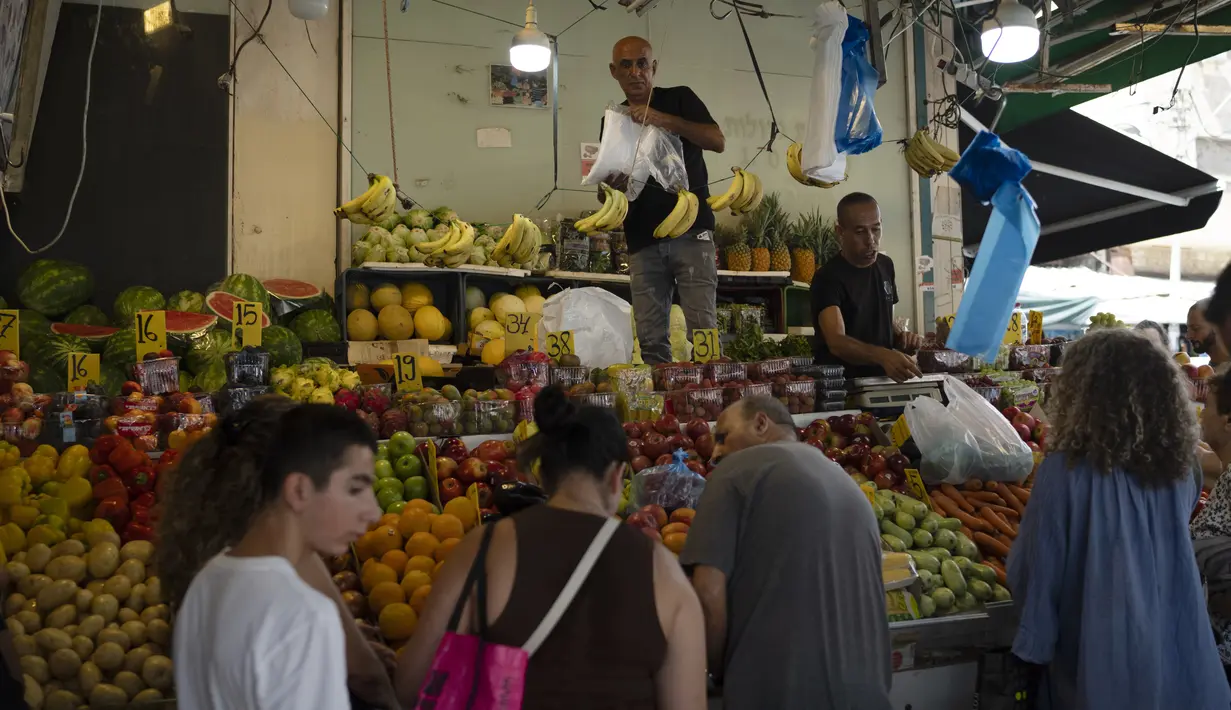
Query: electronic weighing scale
<point>884,397</point>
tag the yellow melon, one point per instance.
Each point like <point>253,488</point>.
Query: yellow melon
<point>361,325</point>
<point>479,315</point>
<point>448,331</point>
<point>505,305</point>
<point>428,367</point>
<point>415,296</point>
<point>490,329</point>
<point>525,291</point>
<point>430,323</point>
<point>534,303</point>
<point>385,295</point>
<point>357,296</point>
<point>496,297</point>
<point>493,352</point>
<point>395,323</point>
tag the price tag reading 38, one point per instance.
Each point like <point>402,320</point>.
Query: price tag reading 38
<point>246,324</point>
<point>10,332</point>
<point>560,344</point>
<point>151,333</point>
<point>82,370</point>
<point>406,375</point>
<point>705,345</point>
<point>519,329</point>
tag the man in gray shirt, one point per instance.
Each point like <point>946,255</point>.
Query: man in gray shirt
<point>786,560</point>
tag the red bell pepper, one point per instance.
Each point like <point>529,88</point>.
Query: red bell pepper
<point>125,458</point>
<point>168,460</point>
<point>140,480</point>
<point>114,510</point>
<point>100,453</point>
<point>138,531</point>
<point>99,473</point>
<point>111,488</point>
<point>145,500</point>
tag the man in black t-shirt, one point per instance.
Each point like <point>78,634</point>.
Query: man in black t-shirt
<point>661,266</point>
<point>853,297</point>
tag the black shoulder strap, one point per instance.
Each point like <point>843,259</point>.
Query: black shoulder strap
<point>478,572</point>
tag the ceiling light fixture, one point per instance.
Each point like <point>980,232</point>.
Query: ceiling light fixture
<point>1011,35</point>
<point>309,9</point>
<point>531,48</point>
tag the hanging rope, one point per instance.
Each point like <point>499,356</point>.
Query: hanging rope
<point>393,141</point>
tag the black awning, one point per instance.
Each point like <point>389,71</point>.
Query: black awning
<point>1069,140</point>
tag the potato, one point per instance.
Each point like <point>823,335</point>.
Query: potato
<point>29,620</point>
<point>135,659</point>
<point>153,648</point>
<point>105,696</point>
<point>134,569</point>
<point>89,676</point>
<point>153,590</point>
<point>61,591</point>
<point>136,600</point>
<point>71,629</point>
<point>103,560</point>
<point>62,700</point>
<point>52,639</point>
<point>82,646</point>
<point>37,556</point>
<point>105,605</point>
<point>36,667</point>
<point>33,692</point>
<point>158,631</point>
<point>67,567</point>
<point>114,636</point>
<point>94,538</point>
<point>61,616</point>
<point>158,672</point>
<point>136,632</point>
<point>159,611</point>
<point>25,645</point>
<point>95,587</point>
<point>108,656</point>
<point>30,605</point>
<point>17,570</point>
<point>149,695</point>
<point>30,586</point>
<point>90,626</point>
<point>12,605</point>
<point>142,550</point>
<point>75,548</point>
<point>118,586</point>
<point>83,600</point>
<point>64,664</point>
<point>126,615</point>
<point>129,682</point>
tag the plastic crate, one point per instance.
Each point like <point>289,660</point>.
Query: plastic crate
<point>733,394</point>
<point>696,404</point>
<point>720,372</point>
<point>799,396</point>
<point>523,374</point>
<point>158,375</point>
<point>484,417</point>
<point>606,400</point>
<point>831,383</point>
<point>765,369</point>
<point>674,377</point>
<point>569,376</point>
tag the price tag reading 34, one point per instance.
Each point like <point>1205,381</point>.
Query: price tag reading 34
<point>406,375</point>
<point>560,344</point>
<point>82,370</point>
<point>705,345</point>
<point>519,329</point>
<point>10,329</point>
<point>151,333</point>
<point>246,324</point>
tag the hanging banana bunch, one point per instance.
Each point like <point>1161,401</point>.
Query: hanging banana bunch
<point>928,157</point>
<point>610,216</point>
<point>743,195</point>
<point>681,218</point>
<point>376,205</point>
<point>796,170</point>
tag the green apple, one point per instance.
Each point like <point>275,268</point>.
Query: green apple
<point>382,452</point>
<point>406,466</point>
<point>383,469</point>
<point>396,507</point>
<point>400,444</point>
<point>390,484</point>
<point>387,497</point>
<point>416,488</point>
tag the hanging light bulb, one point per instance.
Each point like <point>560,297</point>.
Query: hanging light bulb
<point>531,49</point>
<point>309,9</point>
<point>1011,35</point>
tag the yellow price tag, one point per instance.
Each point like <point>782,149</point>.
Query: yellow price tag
<point>1013,333</point>
<point>705,345</point>
<point>406,373</point>
<point>246,324</point>
<point>560,343</point>
<point>914,482</point>
<point>519,329</point>
<point>869,490</point>
<point>151,334</point>
<point>1034,326</point>
<point>82,370</point>
<point>472,495</point>
<point>10,332</point>
<point>899,432</point>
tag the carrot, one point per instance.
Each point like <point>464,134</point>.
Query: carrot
<point>1012,500</point>
<point>991,544</point>
<point>997,522</point>
<point>1021,493</point>
<point>985,496</point>
<point>1008,513</point>
<point>949,506</point>
<point>991,486</point>
<point>956,495</point>
<point>998,567</point>
<point>966,531</point>
<point>973,484</point>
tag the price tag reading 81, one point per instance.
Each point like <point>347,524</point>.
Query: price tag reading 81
<point>705,345</point>
<point>151,335</point>
<point>10,332</point>
<point>82,370</point>
<point>560,344</point>
<point>519,329</point>
<point>406,375</point>
<point>246,324</point>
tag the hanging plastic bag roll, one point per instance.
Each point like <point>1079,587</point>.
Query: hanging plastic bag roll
<point>857,129</point>
<point>967,439</point>
<point>640,152</point>
<point>820,157</point>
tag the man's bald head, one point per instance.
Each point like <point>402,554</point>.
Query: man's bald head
<point>634,66</point>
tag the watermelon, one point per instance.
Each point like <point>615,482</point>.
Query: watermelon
<point>3,303</point>
<point>53,287</point>
<point>316,326</point>
<point>247,287</point>
<point>47,380</point>
<point>187,301</point>
<point>289,297</point>
<point>222,304</point>
<point>185,323</point>
<point>283,346</point>
<point>121,350</point>
<point>133,299</point>
<point>95,335</point>
<point>34,327</point>
<point>209,348</point>
<point>113,378</point>
<point>213,377</point>
<point>53,352</point>
<point>87,315</point>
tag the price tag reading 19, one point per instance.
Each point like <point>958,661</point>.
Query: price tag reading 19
<point>82,370</point>
<point>151,327</point>
<point>246,324</point>
<point>406,373</point>
<point>560,344</point>
<point>10,332</point>
<point>519,329</point>
<point>705,345</point>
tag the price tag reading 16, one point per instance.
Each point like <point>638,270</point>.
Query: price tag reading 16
<point>151,335</point>
<point>705,345</point>
<point>82,370</point>
<point>406,373</point>
<point>560,344</point>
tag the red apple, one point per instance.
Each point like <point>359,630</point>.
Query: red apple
<point>491,450</point>
<point>862,439</point>
<point>654,445</point>
<point>449,489</point>
<point>667,425</point>
<point>1026,419</point>
<point>818,429</point>
<point>472,470</point>
<point>12,415</point>
<point>663,460</point>
<point>816,443</point>
<point>1023,431</point>
<point>835,441</point>
<point>1010,412</point>
<point>679,441</point>
<point>696,428</point>
<point>1040,433</point>
<point>834,454</point>
<point>883,481</point>
<point>645,428</point>
<point>445,468</point>
<point>897,463</point>
<point>639,463</point>
<point>705,446</point>
<point>855,455</point>
<point>485,494</point>
<point>697,467</point>
<point>634,448</point>
<point>1033,446</point>
<point>498,473</point>
<point>660,515</point>
<point>873,465</point>
<point>867,419</point>
<point>631,430</point>
<point>643,520</point>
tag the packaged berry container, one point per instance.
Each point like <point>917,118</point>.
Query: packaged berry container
<point>766,369</point>
<point>799,362</point>
<point>644,407</point>
<point>675,377</point>
<point>1029,357</point>
<point>799,396</point>
<point>515,375</point>
<point>82,405</point>
<point>248,368</point>
<point>732,393</point>
<point>838,396</point>
<point>487,417</point>
<point>181,430</point>
<point>720,372</point>
<point>948,361</point>
<point>696,404</point>
<point>569,376</point>
<point>141,428</point>
<point>232,399</point>
<point>158,375</point>
<point>830,406</point>
<point>606,400</point>
<point>434,419</point>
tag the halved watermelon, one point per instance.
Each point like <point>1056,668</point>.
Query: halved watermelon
<point>222,304</point>
<point>185,323</point>
<point>290,290</point>
<point>95,335</point>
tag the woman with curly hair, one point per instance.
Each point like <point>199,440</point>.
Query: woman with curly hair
<point>250,509</point>
<point>1102,570</point>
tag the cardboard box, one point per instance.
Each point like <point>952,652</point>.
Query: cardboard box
<point>362,353</point>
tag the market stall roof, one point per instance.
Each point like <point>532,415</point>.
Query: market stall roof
<point>1069,296</point>
<point>1078,217</point>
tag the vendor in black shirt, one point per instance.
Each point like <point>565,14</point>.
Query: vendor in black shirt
<point>853,297</point>
<point>660,267</point>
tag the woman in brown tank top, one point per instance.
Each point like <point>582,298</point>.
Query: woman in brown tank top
<point>633,636</point>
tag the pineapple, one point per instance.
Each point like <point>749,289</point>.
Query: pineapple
<point>734,246</point>
<point>766,226</point>
<point>760,250</point>
<point>779,254</point>
<point>813,244</point>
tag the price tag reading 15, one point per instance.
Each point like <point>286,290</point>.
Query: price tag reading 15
<point>10,329</point>
<point>560,344</point>
<point>406,373</point>
<point>151,335</point>
<point>246,324</point>
<point>705,345</point>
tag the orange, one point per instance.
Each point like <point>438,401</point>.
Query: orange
<point>397,621</point>
<point>446,526</point>
<point>418,598</point>
<point>446,546</point>
<point>420,504</point>
<point>375,573</point>
<point>390,519</point>
<point>463,509</point>
<point>396,560</point>
<point>413,521</point>
<point>414,580</point>
<point>675,541</point>
<point>365,547</point>
<point>384,539</point>
<point>422,543</point>
<point>437,570</point>
<point>384,594</point>
<point>674,528</point>
<point>422,563</point>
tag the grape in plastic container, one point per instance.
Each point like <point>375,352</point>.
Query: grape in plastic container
<point>158,375</point>
<point>569,376</point>
<point>799,396</point>
<point>732,393</point>
<point>696,403</point>
<point>671,485</point>
<point>486,417</point>
<point>946,361</point>
<point>720,372</point>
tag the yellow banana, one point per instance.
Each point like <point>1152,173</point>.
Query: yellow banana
<point>757,194</point>
<point>587,225</point>
<point>381,198</point>
<point>529,245</point>
<point>690,216</point>
<point>793,166</point>
<point>615,217</point>
<point>746,193</point>
<point>356,204</point>
<point>666,226</point>
<point>510,235</point>
<point>463,245</point>
<point>430,248</point>
<point>721,202</point>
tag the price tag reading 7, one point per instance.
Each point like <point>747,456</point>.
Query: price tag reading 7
<point>246,324</point>
<point>406,376</point>
<point>151,335</point>
<point>82,370</point>
<point>560,344</point>
<point>10,332</point>
<point>519,329</point>
<point>705,345</point>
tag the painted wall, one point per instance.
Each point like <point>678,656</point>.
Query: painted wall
<point>439,59</point>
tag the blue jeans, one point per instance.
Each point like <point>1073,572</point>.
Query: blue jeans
<point>686,264</point>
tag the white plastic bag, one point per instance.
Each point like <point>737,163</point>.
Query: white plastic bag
<point>967,439</point>
<point>601,323</point>
<point>819,156</point>
<point>658,154</point>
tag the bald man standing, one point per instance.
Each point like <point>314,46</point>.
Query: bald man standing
<point>660,267</point>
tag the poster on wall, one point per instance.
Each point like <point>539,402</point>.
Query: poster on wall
<point>589,152</point>
<point>512,87</point>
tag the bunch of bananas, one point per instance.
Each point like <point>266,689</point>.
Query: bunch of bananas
<point>520,243</point>
<point>610,216</point>
<point>927,157</point>
<point>453,249</point>
<point>374,206</point>
<point>1106,320</point>
<point>796,170</point>
<point>742,195</point>
<point>681,218</point>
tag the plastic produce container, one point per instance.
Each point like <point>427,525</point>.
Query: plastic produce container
<point>434,419</point>
<point>948,361</point>
<point>830,406</point>
<point>675,377</point>
<point>82,405</point>
<point>23,435</point>
<point>734,393</point>
<point>799,362</point>
<point>569,376</point>
<point>233,399</point>
<point>643,407</point>
<point>696,404</point>
<point>181,430</point>
<point>524,374</point>
<point>799,396</point>
<point>720,372</point>
<point>1029,357</point>
<point>606,400</point>
<point>487,417</point>
<point>765,369</point>
<point>158,375</point>
<point>248,368</point>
